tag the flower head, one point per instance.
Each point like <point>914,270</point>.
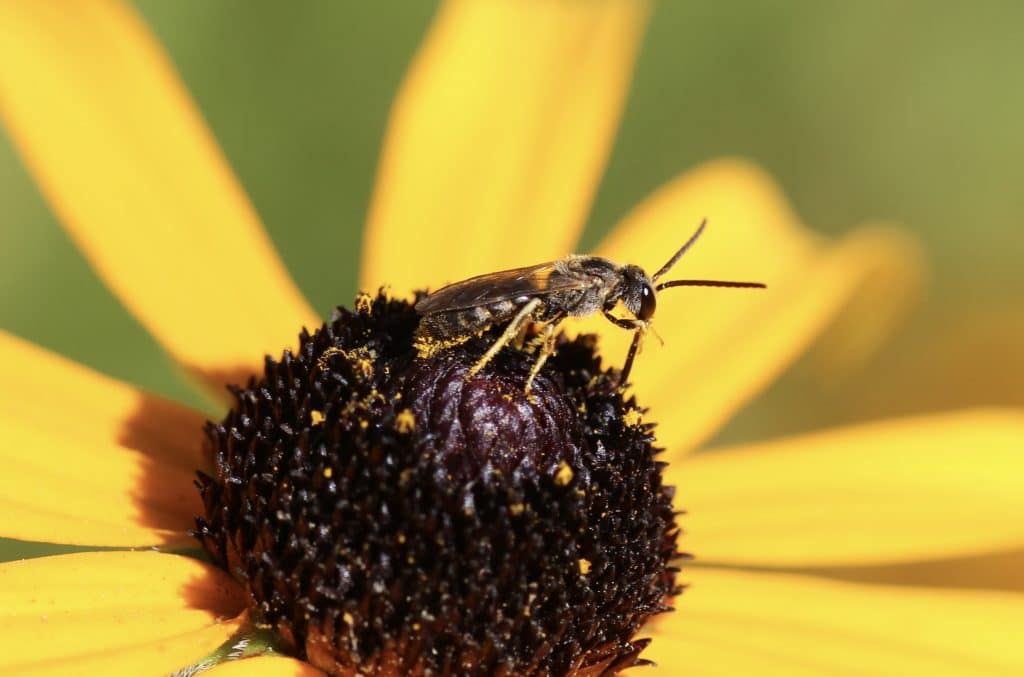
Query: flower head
<point>390,513</point>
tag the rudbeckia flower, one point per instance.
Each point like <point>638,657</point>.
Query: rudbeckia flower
<point>493,154</point>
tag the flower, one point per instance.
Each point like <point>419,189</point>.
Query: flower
<point>389,511</point>
<point>523,120</point>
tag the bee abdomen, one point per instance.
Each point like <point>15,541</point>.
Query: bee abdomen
<point>450,324</point>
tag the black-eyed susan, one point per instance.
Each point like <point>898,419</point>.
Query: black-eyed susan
<point>520,100</point>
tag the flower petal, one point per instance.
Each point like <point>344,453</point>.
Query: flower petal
<point>43,388</point>
<point>498,138</point>
<point>992,571</point>
<point>735,623</point>
<point>724,345</point>
<point>898,491</point>
<point>113,613</point>
<point>124,159</point>
<point>265,666</point>
<point>91,461</point>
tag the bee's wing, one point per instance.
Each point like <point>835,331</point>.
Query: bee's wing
<point>481,290</point>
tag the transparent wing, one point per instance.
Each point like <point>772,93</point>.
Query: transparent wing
<point>504,285</point>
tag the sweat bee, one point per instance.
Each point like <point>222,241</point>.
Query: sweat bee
<point>548,293</point>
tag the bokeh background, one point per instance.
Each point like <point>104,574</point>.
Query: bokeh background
<point>908,111</point>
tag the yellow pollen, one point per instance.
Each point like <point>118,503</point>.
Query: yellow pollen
<point>366,366</point>
<point>564,474</point>
<point>328,472</point>
<point>362,358</point>
<point>316,417</point>
<point>632,418</point>
<point>516,508</point>
<point>428,347</point>
<point>347,617</point>
<point>405,422</point>
<point>584,566</point>
<point>364,303</point>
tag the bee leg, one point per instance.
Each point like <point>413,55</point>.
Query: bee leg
<point>634,348</point>
<point>624,322</point>
<point>639,329</point>
<point>546,350</point>
<point>506,336</point>
<point>520,342</point>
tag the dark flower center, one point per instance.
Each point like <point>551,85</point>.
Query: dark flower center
<point>389,515</point>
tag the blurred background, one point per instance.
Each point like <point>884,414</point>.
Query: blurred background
<point>907,111</point>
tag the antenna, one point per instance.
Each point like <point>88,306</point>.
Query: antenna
<point>711,283</point>
<point>682,250</point>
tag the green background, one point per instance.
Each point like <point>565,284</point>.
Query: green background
<point>910,111</point>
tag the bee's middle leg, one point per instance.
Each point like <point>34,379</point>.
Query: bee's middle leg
<point>546,350</point>
<point>511,331</point>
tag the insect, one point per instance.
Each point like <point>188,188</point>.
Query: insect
<point>548,293</point>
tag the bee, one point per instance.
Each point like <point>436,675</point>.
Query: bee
<point>547,294</point>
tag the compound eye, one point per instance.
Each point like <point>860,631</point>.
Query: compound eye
<point>647,303</point>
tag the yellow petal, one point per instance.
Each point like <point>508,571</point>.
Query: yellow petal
<point>265,666</point>
<point>44,388</point>
<point>91,461</point>
<point>113,613</point>
<point>499,137</point>
<point>122,155</point>
<point>722,346</point>
<point>898,491</point>
<point>738,623</point>
<point>992,571</point>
